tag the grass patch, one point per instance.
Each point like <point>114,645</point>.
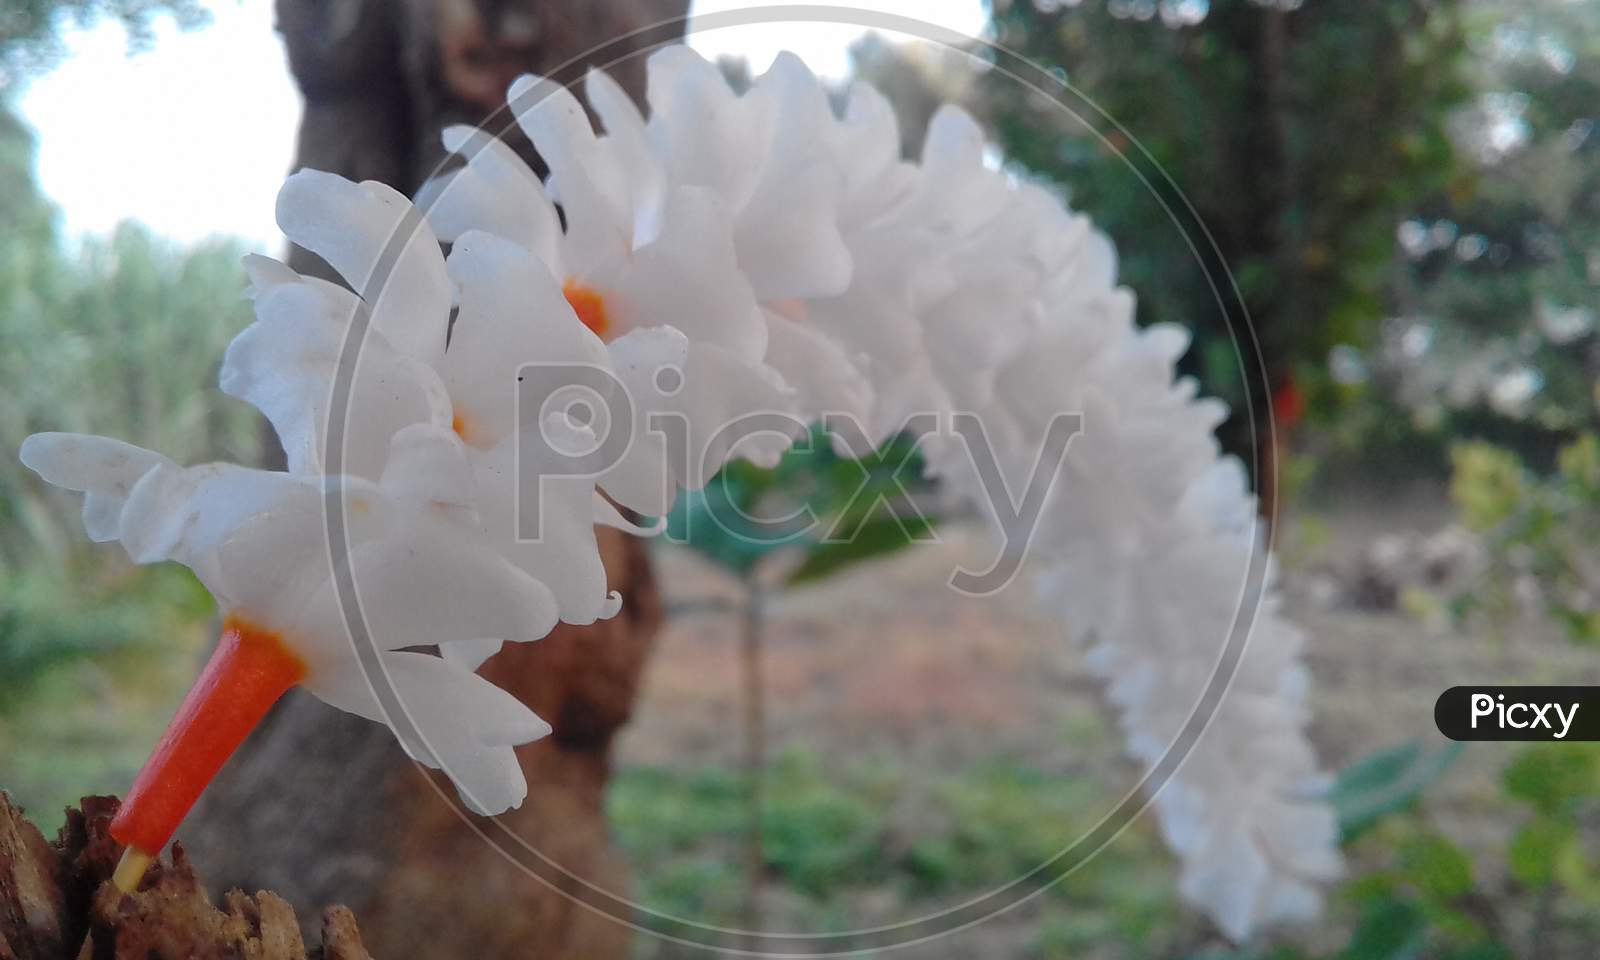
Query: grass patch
<point>878,842</point>
<point>89,675</point>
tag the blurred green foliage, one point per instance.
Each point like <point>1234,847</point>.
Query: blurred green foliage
<point>1541,534</point>
<point>121,336</point>
<point>1538,903</point>
<point>1494,329</point>
<point>1299,133</point>
<point>44,627</point>
<point>1385,783</point>
<point>92,664</point>
<point>30,30</point>
<point>1422,892</point>
<point>1405,193</point>
<point>838,836</point>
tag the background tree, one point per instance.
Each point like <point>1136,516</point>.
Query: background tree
<point>30,30</point>
<point>1493,327</point>
<point>1300,132</point>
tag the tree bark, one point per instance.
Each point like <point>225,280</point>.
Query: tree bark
<point>55,903</point>
<point>321,806</point>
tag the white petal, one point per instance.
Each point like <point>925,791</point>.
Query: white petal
<point>704,133</point>
<point>451,719</point>
<point>512,313</point>
<point>787,231</point>
<point>955,193</point>
<point>607,515</point>
<point>470,654</point>
<point>867,145</point>
<point>584,178</point>
<point>722,399</point>
<point>825,377</point>
<point>495,192</point>
<point>103,469</point>
<point>249,535</point>
<point>690,279</point>
<point>286,364</point>
<point>628,140</point>
<point>642,480</point>
<point>265,272</point>
<point>353,227</point>
<point>428,583</point>
<point>428,469</point>
<point>543,522</point>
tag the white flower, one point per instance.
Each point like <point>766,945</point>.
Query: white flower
<point>648,265</point>
<point>285,364</point>
<point>382,247</point>
<point>767,154</point>
<point>256,540</point>
<point>509,314</point>
<point>1145,540</point>
<point>1145,547</point>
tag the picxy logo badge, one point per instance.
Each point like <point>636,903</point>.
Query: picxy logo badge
<point>1519,713</point>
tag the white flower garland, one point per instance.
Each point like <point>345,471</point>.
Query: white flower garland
<point>781,258</point>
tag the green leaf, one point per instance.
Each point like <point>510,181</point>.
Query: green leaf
<point>1551,777</point>
<point>1487,484</point>
<point>716,523</point>
<point>872,539</point>
<point>1389,930</point>
<point>1536,850</point>
<point>1384,783</point>
<point>1437,866</point>
<point>1486,950</point>
<point>837,505</point>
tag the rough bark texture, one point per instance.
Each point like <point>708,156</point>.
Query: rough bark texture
<point>56,903</point>
<point>320,806</point>
<point>381,78</point>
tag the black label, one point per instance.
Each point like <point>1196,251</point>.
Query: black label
<point>1519,713</point>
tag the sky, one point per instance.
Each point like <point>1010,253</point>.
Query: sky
<point>193,135</point>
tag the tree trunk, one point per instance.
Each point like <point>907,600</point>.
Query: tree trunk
<point>321,806</point>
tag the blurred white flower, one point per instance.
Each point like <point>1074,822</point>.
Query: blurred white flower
<point>1512,392</point>
<point>256,540</point>
<point>1416,341</point>
<point>1346,364</point>
<point>1414,238</point>
<point>1471,247</point>
<point>1562,325</point>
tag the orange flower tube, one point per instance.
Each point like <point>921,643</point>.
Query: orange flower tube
<point>250,670</point>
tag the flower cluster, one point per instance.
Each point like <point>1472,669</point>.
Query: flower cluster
<point>725,255</point>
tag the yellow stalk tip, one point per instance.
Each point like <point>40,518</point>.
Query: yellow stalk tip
<point>130,869</point>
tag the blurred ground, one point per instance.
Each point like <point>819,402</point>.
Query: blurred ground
<point>927,719</point>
